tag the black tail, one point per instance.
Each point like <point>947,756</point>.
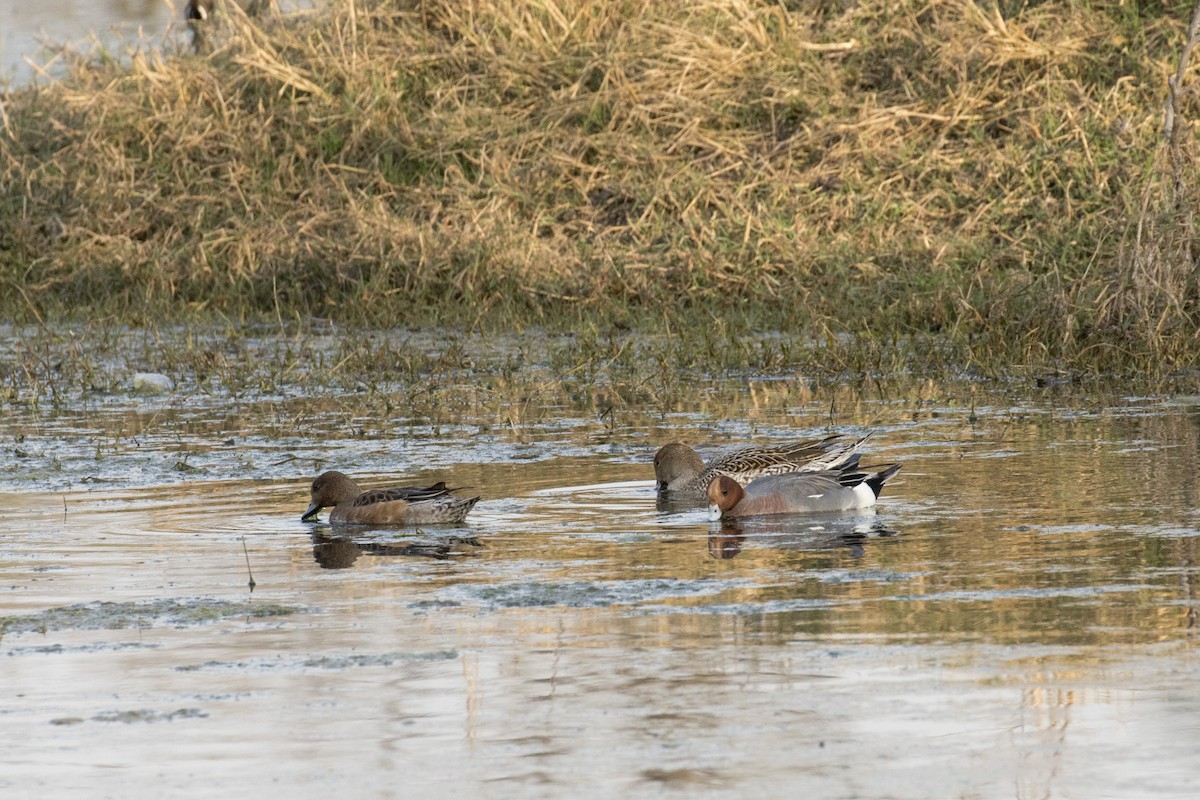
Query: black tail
<point>876,480</point>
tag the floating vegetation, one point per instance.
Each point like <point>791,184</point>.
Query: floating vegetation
<point>96,647</point>
<point>147,715</point>
<point>118,616</point>
<point>379,660</point>
<point>587,594</point>
<point>331,661</point>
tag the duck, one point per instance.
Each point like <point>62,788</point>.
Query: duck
<point>678,469</point>
<point>843,489</point>
<point>398,506</point>
<point>197,10</point>
<point>202,14</point>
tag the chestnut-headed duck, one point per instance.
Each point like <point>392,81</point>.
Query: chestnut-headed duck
<point>403,505</point>
<point>678,469</point>
<point>844,489</point>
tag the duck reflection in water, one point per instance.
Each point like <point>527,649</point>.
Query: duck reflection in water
<point>727,542</point>
<point>339,549</point>
<point>727,537</point>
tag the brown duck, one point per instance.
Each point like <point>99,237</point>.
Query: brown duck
<point>403,505</point>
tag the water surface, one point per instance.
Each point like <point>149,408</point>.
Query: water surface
<point>33,34</point>
<point>1014,620</point>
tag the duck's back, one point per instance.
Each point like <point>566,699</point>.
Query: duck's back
<point>814,455</point>
<point>811,492</point>
<point>405,505</point>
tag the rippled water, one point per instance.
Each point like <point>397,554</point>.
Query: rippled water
<point>1015,620</point>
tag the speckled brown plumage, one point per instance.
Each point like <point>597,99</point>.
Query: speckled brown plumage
<point>402,505</point>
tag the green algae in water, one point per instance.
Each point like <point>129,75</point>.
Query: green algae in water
<point>117,616</point>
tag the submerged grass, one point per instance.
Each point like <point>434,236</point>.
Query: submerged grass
<point>992,177</point>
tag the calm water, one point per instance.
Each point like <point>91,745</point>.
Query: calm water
<point>1014,621</point>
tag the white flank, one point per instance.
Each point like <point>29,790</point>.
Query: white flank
<point>863,494</point>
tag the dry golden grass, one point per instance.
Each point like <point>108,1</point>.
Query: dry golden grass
<point>1155,295</point>
<point>991,174</point>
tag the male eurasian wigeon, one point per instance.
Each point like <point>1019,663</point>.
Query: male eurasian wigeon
<point>403,505</point>
<point>843,489</point>
<point>678,469</point>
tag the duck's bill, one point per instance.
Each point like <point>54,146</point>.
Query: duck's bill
<point>311,513</point>
<point>714,512</point>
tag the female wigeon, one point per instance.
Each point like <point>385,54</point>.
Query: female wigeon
<point>798,492</point>
<point>679,469</point>
<point>400,506</point>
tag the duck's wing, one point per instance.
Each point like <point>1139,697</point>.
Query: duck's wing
<point>808,455</point>
<point>409,494</point>
<point>834,455</point>
<point>797,484</point>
